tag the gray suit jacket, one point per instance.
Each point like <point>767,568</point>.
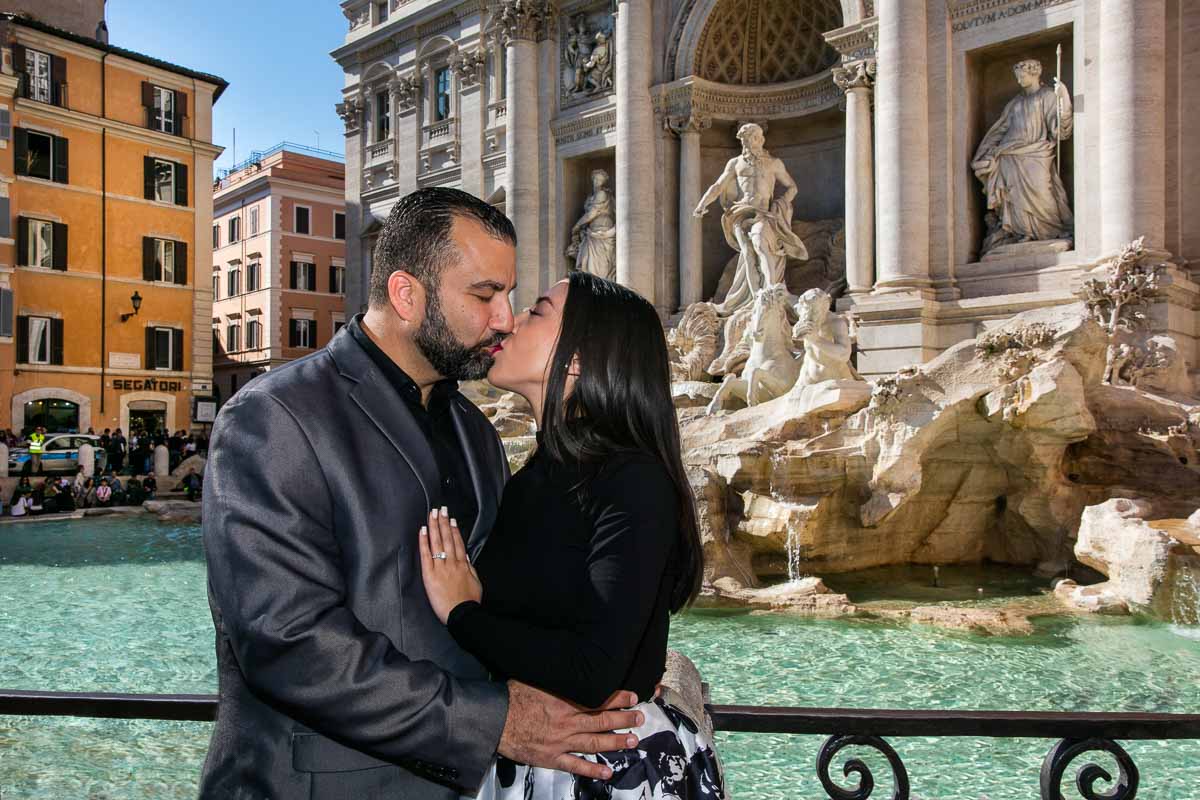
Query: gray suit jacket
<point>336,679</point>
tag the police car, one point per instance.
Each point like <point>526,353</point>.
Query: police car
<point>60,453</point>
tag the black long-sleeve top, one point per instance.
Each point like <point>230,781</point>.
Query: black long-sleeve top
<point>577,581</point>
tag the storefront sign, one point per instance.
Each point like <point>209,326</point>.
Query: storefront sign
<point>124,361</point>
<point>204,410</point>
<point>148,385</point>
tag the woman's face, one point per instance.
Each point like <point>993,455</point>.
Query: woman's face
<point>522,364</point>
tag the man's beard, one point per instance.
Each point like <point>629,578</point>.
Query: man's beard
<point>450,357</point>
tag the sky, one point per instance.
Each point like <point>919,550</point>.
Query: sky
<point>274,53</point>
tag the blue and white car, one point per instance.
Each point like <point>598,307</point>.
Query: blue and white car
<point>60,453</point>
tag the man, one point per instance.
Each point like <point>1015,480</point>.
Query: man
<point>37,441</point>
<point>758,224</point>
<point>336,678</point>
<point>1017,163</point>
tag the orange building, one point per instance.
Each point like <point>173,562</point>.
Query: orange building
<point>105,294</point>
<point>279,260</point>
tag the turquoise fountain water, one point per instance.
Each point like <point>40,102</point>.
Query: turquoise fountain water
<point>119,605</point>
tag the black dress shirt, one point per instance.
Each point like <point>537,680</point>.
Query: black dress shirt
<point>577,581</point>
<point>456,491</point>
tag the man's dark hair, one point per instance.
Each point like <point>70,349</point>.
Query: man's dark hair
<point>416,236</point>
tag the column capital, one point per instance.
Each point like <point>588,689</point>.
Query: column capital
<point>689,123</point>
<point>404,90</point>
<point>468,66</point>
<point>855,75</point>
<point>350,110</point>
<point>526,20</point>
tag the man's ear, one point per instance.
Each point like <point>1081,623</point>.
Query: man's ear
<point>407,296</point>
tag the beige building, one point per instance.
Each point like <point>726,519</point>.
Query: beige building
<point>876,108</point>
<point>278,277</point>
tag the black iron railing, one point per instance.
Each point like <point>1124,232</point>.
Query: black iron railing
<point>1074,733</point>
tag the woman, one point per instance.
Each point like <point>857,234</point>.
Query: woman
<point>594,546</point>
<point>594,237</point>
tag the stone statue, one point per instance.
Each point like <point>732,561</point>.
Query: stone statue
<point>826,338</point>
<point>1017,163</point>
<point>599,66</point>
<point>577,53</point>
<point>594,237</point>
<point>771,369</point>
<point>758,225</point>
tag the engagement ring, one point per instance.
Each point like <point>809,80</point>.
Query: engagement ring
<point>441,555</point>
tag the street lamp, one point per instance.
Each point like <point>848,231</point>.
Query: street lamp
<point>137,304</point>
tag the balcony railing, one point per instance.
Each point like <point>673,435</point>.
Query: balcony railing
<point>380,152</point>
<point>1075,734</point>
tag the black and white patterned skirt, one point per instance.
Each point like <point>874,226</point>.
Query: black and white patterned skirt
<point>674,760</point>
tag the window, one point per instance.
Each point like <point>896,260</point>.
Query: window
<point>164,255</point>
<point>303,333</point>
<point>165,108</point>
<point>253,335</point>
<point>337,279</point>
<point>339,225</point>
<point>38,82</point>
<point>164,260</point>
<point>304,276</point>
<point>163,118</point>
<point>5,123</point>
<point>253,271</point>
<point>166,182</point>
<point>216,236</point>
<point>39,340</point>
<point>381,12</point>
<point>441,94</point>
<point>234,282</point>
<point>40,155</point>
<point>303,217</point>
<point>164,348</point>
<point>216,286</point>
<point>6,313</point>
<point>233,337</point>
<point>383,116</point>
<point>338,324</point>
<point>235,229</point>
<point>39,248</point>
<point>254,221</point>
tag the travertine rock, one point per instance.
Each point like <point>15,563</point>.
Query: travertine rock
<point>996,622</point>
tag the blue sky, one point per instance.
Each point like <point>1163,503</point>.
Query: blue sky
<point>275,54</point>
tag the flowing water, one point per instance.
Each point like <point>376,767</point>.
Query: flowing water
<point>119,605</point>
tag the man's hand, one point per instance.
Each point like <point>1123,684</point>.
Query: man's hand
<point>544,731</point>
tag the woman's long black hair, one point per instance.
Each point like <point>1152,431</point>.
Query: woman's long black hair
<point>621,401</point>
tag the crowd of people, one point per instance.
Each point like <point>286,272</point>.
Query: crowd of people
<point>129,456</point>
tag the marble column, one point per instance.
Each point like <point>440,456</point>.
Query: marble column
<point>635,147</point>
<point>856,80</point>
<point>522,24</point>
<point>1132,119</point>
<point>691,265</point>
<point>902,146</point>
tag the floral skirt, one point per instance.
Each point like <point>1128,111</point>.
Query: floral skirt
<point>674,760</point>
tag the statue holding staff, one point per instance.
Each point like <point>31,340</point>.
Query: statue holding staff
<point>1017,161</point>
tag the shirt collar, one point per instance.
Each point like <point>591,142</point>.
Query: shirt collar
<point>439,395</point>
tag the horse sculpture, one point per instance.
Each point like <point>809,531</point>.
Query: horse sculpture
<point>771,368</point>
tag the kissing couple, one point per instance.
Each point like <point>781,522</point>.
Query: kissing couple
<point>397,618</point>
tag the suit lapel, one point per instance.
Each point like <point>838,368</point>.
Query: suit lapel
<point>482,478</point>
<point>395,421</point>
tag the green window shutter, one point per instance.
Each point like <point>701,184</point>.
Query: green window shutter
<point>22,241</point>
<point>181,263</point>
<point>312,277</point>
<point>58,258</point>
<point>5,217</point>
<point>20,151</point>
<point>332,279</point>
<point>181,187</point>
<point>181,110</point>
<point>22,339</point>
<point>177,349</point>
<point>61,159</point>
<point>293,333</point>
<point>148,177</point>
<point>58,80</point>
<point>312,332</point>
<point>151,355</point>
<point>56,341</point>
<point>148,270</point>
<point>295,277</point>
<point>148,102</point>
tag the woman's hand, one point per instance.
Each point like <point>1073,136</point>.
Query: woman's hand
<point>449,577</point>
